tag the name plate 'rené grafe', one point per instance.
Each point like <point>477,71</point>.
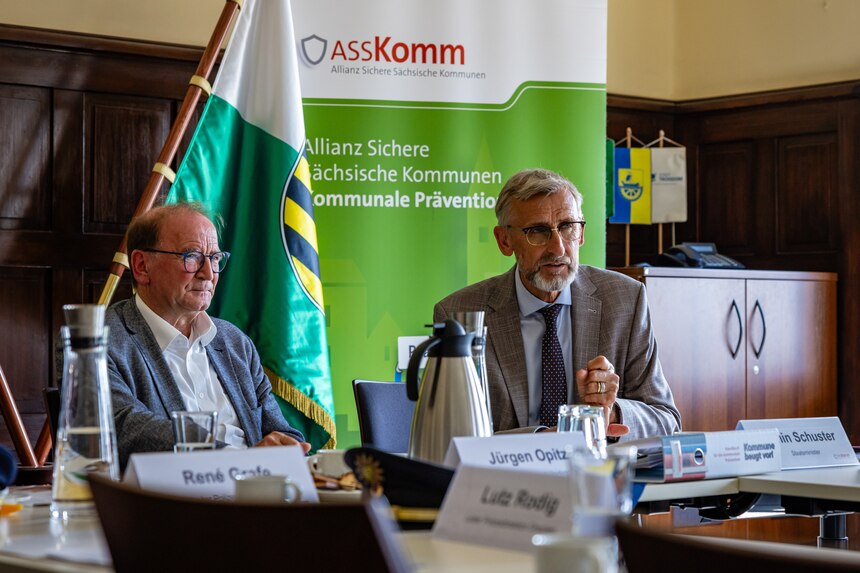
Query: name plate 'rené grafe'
<point>211,474</point>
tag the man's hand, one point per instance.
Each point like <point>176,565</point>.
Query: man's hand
<point>597,384</point>
<point>281,439</point>
<point>617,430</point>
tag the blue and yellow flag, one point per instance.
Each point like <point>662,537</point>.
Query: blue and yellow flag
<point>246,162</point>
<point>632,186</point>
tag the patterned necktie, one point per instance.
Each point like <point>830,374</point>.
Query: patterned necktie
<point>554,386</point>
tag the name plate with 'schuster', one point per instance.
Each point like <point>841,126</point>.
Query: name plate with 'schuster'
<point>809,442</point>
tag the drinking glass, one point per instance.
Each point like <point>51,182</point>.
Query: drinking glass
<point>587,419</point>
<point>601,488</point>
<point>193,431</point>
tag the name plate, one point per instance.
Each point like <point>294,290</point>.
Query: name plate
<point>212,474</point>
<point>540,452</point>
<point>503,507</point>
<point>809,442</point>
<point>405,346</point>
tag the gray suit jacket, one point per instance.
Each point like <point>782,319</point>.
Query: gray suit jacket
<point>144,392</point>
<point>610,317</point>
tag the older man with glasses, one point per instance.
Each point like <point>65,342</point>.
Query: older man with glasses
<point>559,332</point>
<point>166,354</point>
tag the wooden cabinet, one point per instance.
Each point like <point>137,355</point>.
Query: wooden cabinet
<point>744,344</point>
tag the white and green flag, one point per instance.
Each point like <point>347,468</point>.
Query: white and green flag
<point>246,163</point>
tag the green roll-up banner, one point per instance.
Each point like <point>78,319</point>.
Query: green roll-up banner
<point>416,113</point>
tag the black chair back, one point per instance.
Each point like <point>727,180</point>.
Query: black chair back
<point>384,414</point>
<point>646,550</point>
<point>148,531</point>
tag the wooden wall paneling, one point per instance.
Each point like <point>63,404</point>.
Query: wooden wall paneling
<point>763,210</point>
<point>95,64</point>
<point>94,113</point>
<point>67,288</point>
<point>762,121</point>
<point>805,144</point>
<point>25,319</point>
<point>806,203</point>
<point>67,147</point>
<point>726,196</point>
<point>848,288</point>
<point>126,135</point>
<point>24,173</point>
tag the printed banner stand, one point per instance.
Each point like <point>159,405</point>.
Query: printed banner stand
<point>416,114</point>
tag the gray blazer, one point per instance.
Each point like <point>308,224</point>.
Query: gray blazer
<point>144,392</point>
<point>609,314</point>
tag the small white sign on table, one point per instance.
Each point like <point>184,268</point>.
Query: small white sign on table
<point>540,452</point>
<point>405,346</point>
<point>808,442</point>
<point>211,474</point>
<point>503,507</point>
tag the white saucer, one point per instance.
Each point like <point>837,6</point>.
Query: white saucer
<point>339,496</point>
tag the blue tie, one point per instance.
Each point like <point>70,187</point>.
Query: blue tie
<point>554,385</point>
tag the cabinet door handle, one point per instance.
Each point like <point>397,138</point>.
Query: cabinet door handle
<point>740,330</point>
<point>757,306</point>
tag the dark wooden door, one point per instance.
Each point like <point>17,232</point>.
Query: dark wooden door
<point>698,326</point>
<point>791,348</point>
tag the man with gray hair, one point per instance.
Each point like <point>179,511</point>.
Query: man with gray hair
<point>167,354</point>
<point>559,332</point>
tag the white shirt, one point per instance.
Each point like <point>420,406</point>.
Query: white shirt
<point>196,379</point>
<point>532,326</point>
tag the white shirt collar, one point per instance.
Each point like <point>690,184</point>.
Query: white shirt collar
<point>529,303</point>
<point>202,329</point>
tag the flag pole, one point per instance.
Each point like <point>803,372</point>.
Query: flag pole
<point>627,226</point>
<point>662,140</point>
<point>161,170</point>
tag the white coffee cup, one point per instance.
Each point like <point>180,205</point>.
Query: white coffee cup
<point>563,552</point>
<point>267,489</point>
<point>328,463</point>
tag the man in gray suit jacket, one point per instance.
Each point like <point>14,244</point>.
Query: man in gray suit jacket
<point>602,331</point>
<point>166,354</point>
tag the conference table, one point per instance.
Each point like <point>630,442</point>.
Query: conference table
<point>31,541</point>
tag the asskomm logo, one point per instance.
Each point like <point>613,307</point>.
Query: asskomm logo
<point>383,49</point>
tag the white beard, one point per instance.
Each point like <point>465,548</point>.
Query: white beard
<point>555,284</point>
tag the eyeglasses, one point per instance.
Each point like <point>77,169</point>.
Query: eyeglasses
<point>539,235</point>
<point>193,260</point>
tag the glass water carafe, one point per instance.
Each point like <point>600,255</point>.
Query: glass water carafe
<point>86,438</point>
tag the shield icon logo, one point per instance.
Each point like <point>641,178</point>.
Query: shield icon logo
<point>313,49</point>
